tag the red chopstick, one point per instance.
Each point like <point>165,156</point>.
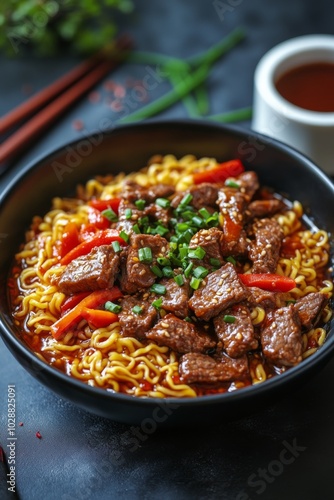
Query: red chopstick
<point>46,95</point>
<point>91,72</point>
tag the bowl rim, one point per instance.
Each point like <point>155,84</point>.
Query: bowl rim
<point>12,341</point>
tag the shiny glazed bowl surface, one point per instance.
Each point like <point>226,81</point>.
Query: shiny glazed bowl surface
<point>126,149</point>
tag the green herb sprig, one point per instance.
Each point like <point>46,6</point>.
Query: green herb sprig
<point>188,79</point>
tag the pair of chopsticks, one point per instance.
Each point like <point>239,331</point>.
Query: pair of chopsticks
<point>46,106</point>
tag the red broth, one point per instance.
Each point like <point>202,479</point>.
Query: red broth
<point>310,86</point>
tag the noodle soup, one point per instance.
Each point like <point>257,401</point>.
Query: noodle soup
<point>173,281</point>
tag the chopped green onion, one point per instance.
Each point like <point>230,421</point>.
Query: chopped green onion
<point>195,283</point>
<point>187,214</point>
<point>198,221</point>
<point>162,202</point>
<point>204,213</point>
<point>140,204</point>
<point>112,307</point>
<point>181,227</point>
<point>110,215</point>
<point>291,301</point>
<point>160,229</point>
<point>168,272</point>
<point>145,255</point>
<point>231,260</point>
<point>137,309</point>
<point>124,236</point>
<point>159,289</point>
<point>183,252</point>
<point>179,279</point>
<point>175,261</point>
<point>199,253</point>
<point>232,184</point>
<point>186,236</point>
<point>200,272</point>
<point>213,220</point>
<point>157,271</point>
<point>186,200</point>
<point>188,319</point>
<point>229,319</point>
<point>215,262</point>
<point>157,303</point>
<point>188,269</point>
<point>116,246</point>
<point>143,220</point>
<point>163,261</point>
<point>128,213</point>
<point>136,229</point>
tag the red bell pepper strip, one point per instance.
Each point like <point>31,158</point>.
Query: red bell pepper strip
<point>72,301</point>
<point>100,238</point>
<point>96,219</point>
<point>102,205</point>
<point>268,281</point>
<point>220,173</point>
<point>99,318</point>
<point>92,301</point>
<point>70,238</point>
<point>231,228</point>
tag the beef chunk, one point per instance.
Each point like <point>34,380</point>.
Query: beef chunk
<point>136,325</point>
<point>159,191</point>
<point>157,213</point>
<point>175,300</point>
<point>200,368</point>
<point>126,223</point>
<point>264,208</point>
<point>309,308</point>
<point>179,335</point>
<point>94,271</point>
<point>281,337</point>
<point>137,272</point>
<point>203,195</point>
<point>264,298</point>
<point>221,289</point>
<point>232,204</point>
<point>133,191</point>
<point>125,283</point>
<point>249,183</point>
<point>264,251</point>
<point>211,241</point>
<point>236,338</point>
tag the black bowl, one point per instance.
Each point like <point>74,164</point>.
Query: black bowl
<point>128,148</point>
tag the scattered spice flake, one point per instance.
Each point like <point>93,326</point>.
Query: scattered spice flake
<point>116,105</point>
<point>119,91</point>
<point>21,424</point>
<point>2,455</point>
<point>110,85</point>
<point>38,435</point>
<point>94,96</point>
<point>77,124</point>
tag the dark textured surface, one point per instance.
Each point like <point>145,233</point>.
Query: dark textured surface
<point>283,452</point>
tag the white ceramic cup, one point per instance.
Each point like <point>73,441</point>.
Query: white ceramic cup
<point>310,132</point>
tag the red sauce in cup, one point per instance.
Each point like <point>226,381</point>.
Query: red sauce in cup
<point>310,86</point>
